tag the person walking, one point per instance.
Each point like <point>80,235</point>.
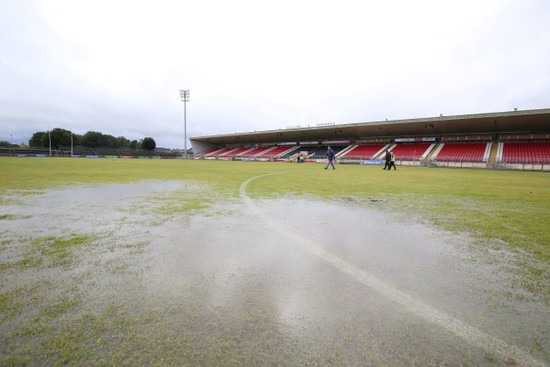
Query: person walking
<point>330,157</point>
<point>392,162</point>
<point>388,159</point>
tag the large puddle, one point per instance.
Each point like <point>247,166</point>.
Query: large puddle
<point>272,282</point>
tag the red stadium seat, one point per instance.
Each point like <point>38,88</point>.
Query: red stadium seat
<point>409,152</point>
<point>526,152</point>
<point>363,151</point>
<point>462,152</point>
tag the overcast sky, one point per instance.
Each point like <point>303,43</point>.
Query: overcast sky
<point>117,66</point>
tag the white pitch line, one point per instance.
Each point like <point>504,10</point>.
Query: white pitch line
<point>429,313</point>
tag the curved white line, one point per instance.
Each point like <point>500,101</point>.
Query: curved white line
<point>429,313</point>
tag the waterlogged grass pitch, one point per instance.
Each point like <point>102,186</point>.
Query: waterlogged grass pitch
<point>509,206</point>
<point>132,262</point>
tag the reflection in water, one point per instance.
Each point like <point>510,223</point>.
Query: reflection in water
<point>233,289</point>
<point>238,256</point>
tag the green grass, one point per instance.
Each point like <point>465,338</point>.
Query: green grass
<point>48,252</point>
<point>507,206</point>
<point>57,251</point>
<point>48,315</point>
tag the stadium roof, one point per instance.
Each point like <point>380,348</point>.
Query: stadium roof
<point>517,121</point>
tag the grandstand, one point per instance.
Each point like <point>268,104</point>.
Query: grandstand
<point>446,152</point>
<point>507,140</point>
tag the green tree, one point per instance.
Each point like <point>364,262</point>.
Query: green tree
<point>148,144</point>
<point>122,142</point>
<point>60,137</point>
<point>46,139</point>
<point>107,141</point>
<point>77,139</point>
<point>92,139</point>
<point>37,139</point>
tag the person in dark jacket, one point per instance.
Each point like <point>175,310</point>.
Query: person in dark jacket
<point>388,158</point>
<point>330,157</point>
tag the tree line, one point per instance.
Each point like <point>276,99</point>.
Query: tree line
<point>92,139</point>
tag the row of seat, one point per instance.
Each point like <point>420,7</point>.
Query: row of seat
<point>410,152</point>
<point>532,152</point>
<point>525,152</point>
<point>518,152</point>
<point>364,151</point>
<point>462,152</point>
<point>260,152</point>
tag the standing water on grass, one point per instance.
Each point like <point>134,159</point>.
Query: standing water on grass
<point>141,273</point>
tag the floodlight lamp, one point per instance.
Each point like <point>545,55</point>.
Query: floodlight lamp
<point>184,95</point>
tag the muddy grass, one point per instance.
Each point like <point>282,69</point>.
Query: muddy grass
<point>169,273</point>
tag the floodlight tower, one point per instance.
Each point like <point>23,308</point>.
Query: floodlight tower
<point>184,95</point>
